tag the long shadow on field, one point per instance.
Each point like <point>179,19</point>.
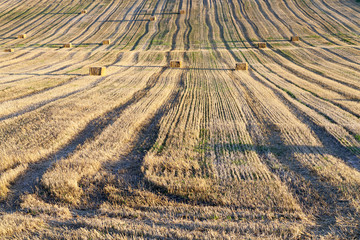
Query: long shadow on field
<point>128,168</point>
<point>8,38</point>
<point>320,192</point>
<point>316,194</point>
<point>75,45</point>
<point>347,100</point>
<point>85,44</point>
<point>58,13</point>
<point>38,92</point>
<point>207,69</point>
<point>277,40</point>
<point>74,226</point>
<point>43,103</point>
<point>30,179</point>
<point>183,68</point>
<point>281,150</point>
<point>162,13</point>
<point>174,37</point>
<point>127,20</point>
<point>61,45</point>
<point>137,66</point>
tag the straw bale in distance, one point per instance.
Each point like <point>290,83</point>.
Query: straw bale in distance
<point>262,45</point>
<point>294,39</point>
<point>67,45</point>
<point>97,71</point>
<point>106,42</point>
<point>83,11</point>
<point>182,11</point>
<point>242,66</point>
<point>9,50</point>
<point>22,36</point>
<point>175,64</point>
<point>152,18</point>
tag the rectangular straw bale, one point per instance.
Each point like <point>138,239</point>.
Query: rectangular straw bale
<point>106,42</point>
<point>175,64</point>
<point>67,45</point>
<point>9,50</point>
<point>295,39</point>
<point>182,11</point>
<point>262,45</point>
<point>242,66</point>
<point>22,36</point>
<point>97,71</point>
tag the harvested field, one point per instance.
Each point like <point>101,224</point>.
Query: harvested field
<point>172,142</point>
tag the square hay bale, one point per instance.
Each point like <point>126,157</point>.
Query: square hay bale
<point>175,64</point>
<point>262,45</point>
<point>182,11</point>
<point>22,36</point>
<point>67,45</point>
<point>97,71</point>
<point>152,18</point>
<point>106,42</point>
<point>294,39</point>
<point>242,66</point>
<point>9,50</point>
<point>83,11</point>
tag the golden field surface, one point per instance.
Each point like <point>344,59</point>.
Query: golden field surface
<point>147,151</point>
